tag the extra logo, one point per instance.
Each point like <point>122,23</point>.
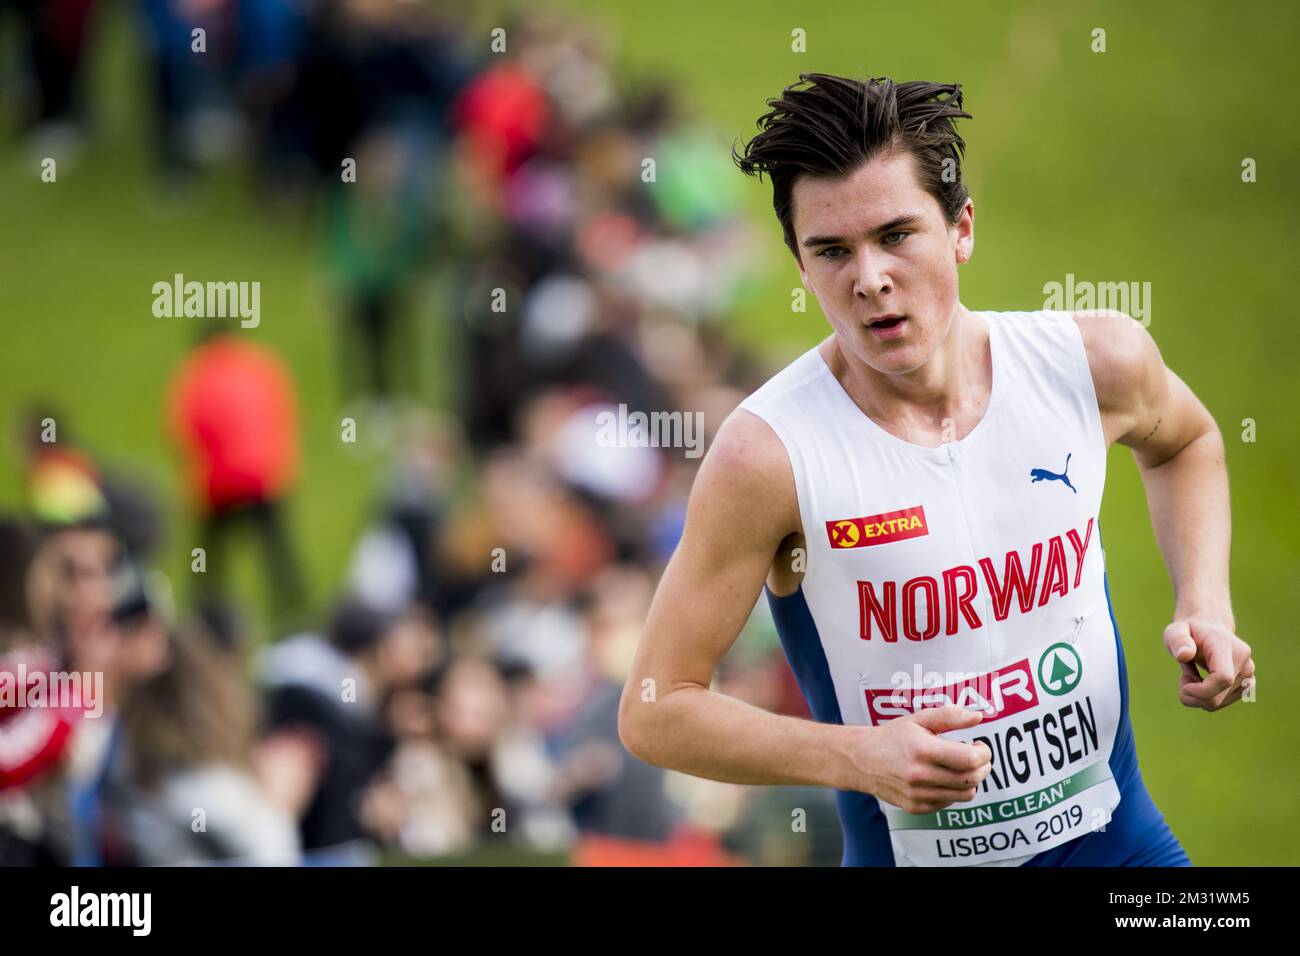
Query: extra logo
<point>877,529</point>
<point>1042,474</point>
<point>1059,669</point>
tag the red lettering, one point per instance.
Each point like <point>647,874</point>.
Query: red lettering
<point>1079,549</point>
<point>1014,581</point>
<point>931,587</point>
<point>885,615</point>
<point>954,602</point>
<point>1056,577</point>
<point>879,611</point>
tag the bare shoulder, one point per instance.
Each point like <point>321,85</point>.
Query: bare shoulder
<point>746,478</point>
<point>748,447</point>
<point>1127,370</point>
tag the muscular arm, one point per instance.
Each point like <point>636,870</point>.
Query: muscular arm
<point>741,508</point>
<point>1180,456</point>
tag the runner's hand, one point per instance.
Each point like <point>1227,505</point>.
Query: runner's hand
<point>918,771</point>
<point>1198,641</point>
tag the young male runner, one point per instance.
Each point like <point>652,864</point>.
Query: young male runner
<point>921,493</point>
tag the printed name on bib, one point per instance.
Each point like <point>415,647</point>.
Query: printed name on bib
<point>1049,778</point>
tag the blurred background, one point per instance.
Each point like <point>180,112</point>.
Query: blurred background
<point>363,587</point>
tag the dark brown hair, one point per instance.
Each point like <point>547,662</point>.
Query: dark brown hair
<point>836,124</point>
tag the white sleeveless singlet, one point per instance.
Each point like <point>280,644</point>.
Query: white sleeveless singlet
<point>970,573</point>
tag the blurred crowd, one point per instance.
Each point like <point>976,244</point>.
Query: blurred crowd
<point>459,695</point>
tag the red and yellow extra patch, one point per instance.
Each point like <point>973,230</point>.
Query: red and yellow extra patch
<point>877,529</point>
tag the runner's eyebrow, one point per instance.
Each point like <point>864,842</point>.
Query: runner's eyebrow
<point>879,230</point>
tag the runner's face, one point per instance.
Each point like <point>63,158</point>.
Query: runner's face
<point>893,254</point>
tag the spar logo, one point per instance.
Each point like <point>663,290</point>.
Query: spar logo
<point>877,529</point>
<point>998,693</point>
<point>1059,669</point>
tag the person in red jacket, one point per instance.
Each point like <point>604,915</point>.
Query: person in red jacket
<point>232,408</point>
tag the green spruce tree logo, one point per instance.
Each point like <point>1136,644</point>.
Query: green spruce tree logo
<point>1059,669</point>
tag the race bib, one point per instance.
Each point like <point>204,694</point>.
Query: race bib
<point>1050,719</point>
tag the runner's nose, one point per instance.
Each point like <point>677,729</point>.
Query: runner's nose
<point>871,280</point>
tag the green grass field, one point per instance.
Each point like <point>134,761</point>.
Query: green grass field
<point>1115,166</point>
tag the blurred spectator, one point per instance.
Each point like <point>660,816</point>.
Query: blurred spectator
<point>66,487</point>
<point>193,119</point>
<point>396,560</point>
<point>502,118</point>
<point>17,549</point>
<point>424,804</point>
<point>325,701</point>
<point>612,792</point>
<point>70,585</point>
<point>33,739</point>
<point>55,36</point>
<point>232,409</point>
<point>465,697</point>
<point>376,235</point>
<point>174,780</point>
<point>62,483</point>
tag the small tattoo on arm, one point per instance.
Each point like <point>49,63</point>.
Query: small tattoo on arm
<point>1153,429</point>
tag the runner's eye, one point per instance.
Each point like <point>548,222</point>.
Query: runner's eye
<point>830,249</point>
<point>901,235</point>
